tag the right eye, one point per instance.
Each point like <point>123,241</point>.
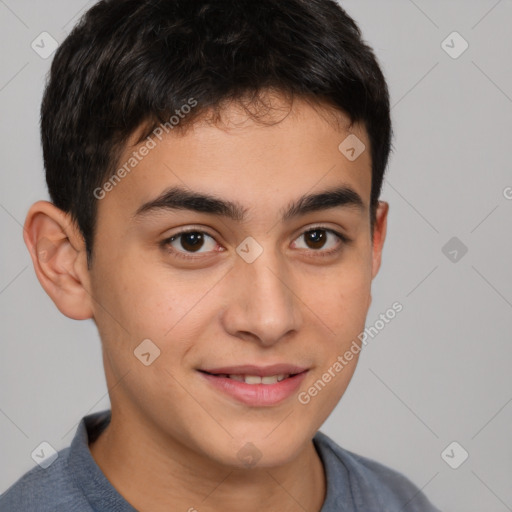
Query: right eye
<point>191,241</point>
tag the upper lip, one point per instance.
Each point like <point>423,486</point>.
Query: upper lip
<point>260,371</point>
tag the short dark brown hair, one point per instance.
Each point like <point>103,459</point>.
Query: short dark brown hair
<point>134,63</point>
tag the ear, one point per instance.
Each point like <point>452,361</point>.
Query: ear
<point>58,253</point>
<point>379,235</point>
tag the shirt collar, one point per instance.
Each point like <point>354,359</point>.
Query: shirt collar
<point>97,489</point>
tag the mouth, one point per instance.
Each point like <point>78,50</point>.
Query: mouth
<point>256,386</point>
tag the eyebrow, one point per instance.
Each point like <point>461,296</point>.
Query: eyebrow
<point>179,198</point>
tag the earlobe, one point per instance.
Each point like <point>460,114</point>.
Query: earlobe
<point>58,254</point>
<point>379,236</point>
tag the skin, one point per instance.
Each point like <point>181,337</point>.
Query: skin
<point>173,440</point>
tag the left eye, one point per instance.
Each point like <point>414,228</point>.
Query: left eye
<point>317,238</point>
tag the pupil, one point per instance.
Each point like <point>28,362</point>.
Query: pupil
<point>194,241</point>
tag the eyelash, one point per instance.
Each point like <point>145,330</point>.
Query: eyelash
<point>316,253</point>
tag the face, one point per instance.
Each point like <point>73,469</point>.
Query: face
<point>262,287</point>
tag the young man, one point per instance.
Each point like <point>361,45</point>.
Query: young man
<point>215,170</point>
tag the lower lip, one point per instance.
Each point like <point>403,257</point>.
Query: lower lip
<point>257,395</point>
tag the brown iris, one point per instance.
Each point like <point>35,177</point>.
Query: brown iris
<point>317,238</point>
<point>192,241</point>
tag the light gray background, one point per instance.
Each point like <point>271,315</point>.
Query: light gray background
<point>439,372</point>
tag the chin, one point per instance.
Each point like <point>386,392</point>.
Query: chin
<point>254,450</point>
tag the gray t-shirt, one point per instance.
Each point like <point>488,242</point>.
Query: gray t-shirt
<point>75,483</point>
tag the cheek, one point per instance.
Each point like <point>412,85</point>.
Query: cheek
<point>147,299</point>
<point>154,303</point>
<point>343,302</point>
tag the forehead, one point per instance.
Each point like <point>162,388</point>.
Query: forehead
<point>261,165</point>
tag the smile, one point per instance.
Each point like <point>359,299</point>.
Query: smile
<point>255,390</point>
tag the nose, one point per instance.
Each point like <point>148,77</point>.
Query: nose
<point>263,305</point>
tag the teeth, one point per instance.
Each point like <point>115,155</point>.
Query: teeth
<point>252,379</point>
<point>255,379</point>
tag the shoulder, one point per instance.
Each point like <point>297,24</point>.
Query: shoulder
<point>371,483</point>
<point>45,490</point>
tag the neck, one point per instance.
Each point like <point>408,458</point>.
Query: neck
<point>169,476</point>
